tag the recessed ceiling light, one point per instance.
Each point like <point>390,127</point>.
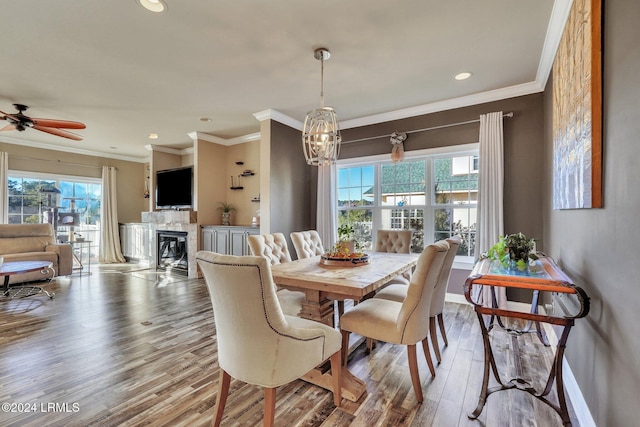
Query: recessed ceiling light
<point>463,76</point>
<point>153,136</point>
<point>153,5</point>
<point>206,119</point>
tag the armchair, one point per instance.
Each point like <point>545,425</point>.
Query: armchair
<point>399,292</point>
<point>401,322</point>
<point>273,248</point>
<point>257,343</point>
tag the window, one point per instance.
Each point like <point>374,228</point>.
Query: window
<point>433,194</point>
<point>70,203</point>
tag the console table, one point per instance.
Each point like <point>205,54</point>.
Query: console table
<point>543,276</point>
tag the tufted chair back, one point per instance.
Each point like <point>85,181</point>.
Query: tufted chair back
<point>273,247</point>
<point>394,241</point>
<point>307,243</point>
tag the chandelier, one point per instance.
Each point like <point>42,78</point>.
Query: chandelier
<point>320,133</point>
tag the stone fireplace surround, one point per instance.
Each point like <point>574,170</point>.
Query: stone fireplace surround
<point>184,221</point>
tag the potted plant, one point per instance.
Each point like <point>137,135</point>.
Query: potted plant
<point>226,209</point>
<point>346,246</point>
<point>513,251</point>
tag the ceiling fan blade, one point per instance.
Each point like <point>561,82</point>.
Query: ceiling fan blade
<point>10,117</point>
<point>10,126</point>
<point>65,124</point>
<point>58,132</point>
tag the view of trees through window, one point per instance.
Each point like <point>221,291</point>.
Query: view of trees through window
<point>435,197</point>
<point>72,205</point>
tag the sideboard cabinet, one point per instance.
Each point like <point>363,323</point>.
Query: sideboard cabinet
<point>227,240</point>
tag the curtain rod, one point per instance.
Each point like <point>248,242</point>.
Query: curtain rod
<point>510,114</point>
<point>60,162</point>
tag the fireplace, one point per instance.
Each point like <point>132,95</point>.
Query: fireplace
<point>181,230</point>
<point>172,253</point>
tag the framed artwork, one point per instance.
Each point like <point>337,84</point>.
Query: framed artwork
<point>577,110</point>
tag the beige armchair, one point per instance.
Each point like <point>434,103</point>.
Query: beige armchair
<point>399,292</point>
<point>273,247</point>
<point>307,243</point>
<point>257,343</point>
<point>401,322</point>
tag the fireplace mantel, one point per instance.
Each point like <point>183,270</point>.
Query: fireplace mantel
<point>170,217</point>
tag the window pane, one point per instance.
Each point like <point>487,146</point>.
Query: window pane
<point>361,220</point>
<point>403,184</point>
<point>343,197</point>
<point>442,220</point>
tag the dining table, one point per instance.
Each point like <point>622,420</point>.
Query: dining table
<point>323,284</point>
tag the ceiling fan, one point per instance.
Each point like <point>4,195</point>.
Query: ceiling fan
<point>19,121</point>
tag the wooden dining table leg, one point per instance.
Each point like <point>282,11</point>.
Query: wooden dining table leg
<point>316,308</point>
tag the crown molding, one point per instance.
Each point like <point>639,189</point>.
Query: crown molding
<point>278,117</point>
<point>449,104</point>
<point>557,22</point>
<point>33,144</point>
<point>222,141</point>
<point>169,150</point>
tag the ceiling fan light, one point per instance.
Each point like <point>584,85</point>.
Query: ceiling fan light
<point>153,5</point>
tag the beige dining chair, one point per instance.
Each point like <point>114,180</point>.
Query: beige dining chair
<point>399,293</point>
<point>307,243</point>
<point>395,241</point>
<point>274,248</point>
<point>257,343</point>
<point>401,322</point>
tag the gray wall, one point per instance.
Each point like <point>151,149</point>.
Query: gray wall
<point>597,248</point>
<point>292,184</point>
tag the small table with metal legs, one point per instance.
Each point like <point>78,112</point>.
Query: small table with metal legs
<point>543,276</point>
<point>10,268</point>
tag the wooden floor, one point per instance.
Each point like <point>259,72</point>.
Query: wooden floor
<point>136,348</point>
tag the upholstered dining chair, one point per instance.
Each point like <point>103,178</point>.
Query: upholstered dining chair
<point>307,243</point>
<point>395,241</point>
<point>257,343</point>
<point>401,322</point>
<point>399,292</point>
<point>274,248</point>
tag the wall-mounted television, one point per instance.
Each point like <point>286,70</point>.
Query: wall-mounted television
<point>174,188</point>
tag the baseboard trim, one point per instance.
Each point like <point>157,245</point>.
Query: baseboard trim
<point>571,387</point>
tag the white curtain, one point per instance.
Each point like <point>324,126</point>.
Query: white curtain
<point>326,215</point>
<point>110,251</point>
<point>491,189</point>
<point>4,183</point>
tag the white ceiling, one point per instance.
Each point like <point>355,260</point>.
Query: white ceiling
<point>126,72</point>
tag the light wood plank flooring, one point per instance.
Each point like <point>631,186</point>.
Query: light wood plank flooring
<point>136,348</point>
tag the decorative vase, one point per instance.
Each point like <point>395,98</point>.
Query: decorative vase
<point>347,246</point>
<point>519,264</point>
<point>225,218</point>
